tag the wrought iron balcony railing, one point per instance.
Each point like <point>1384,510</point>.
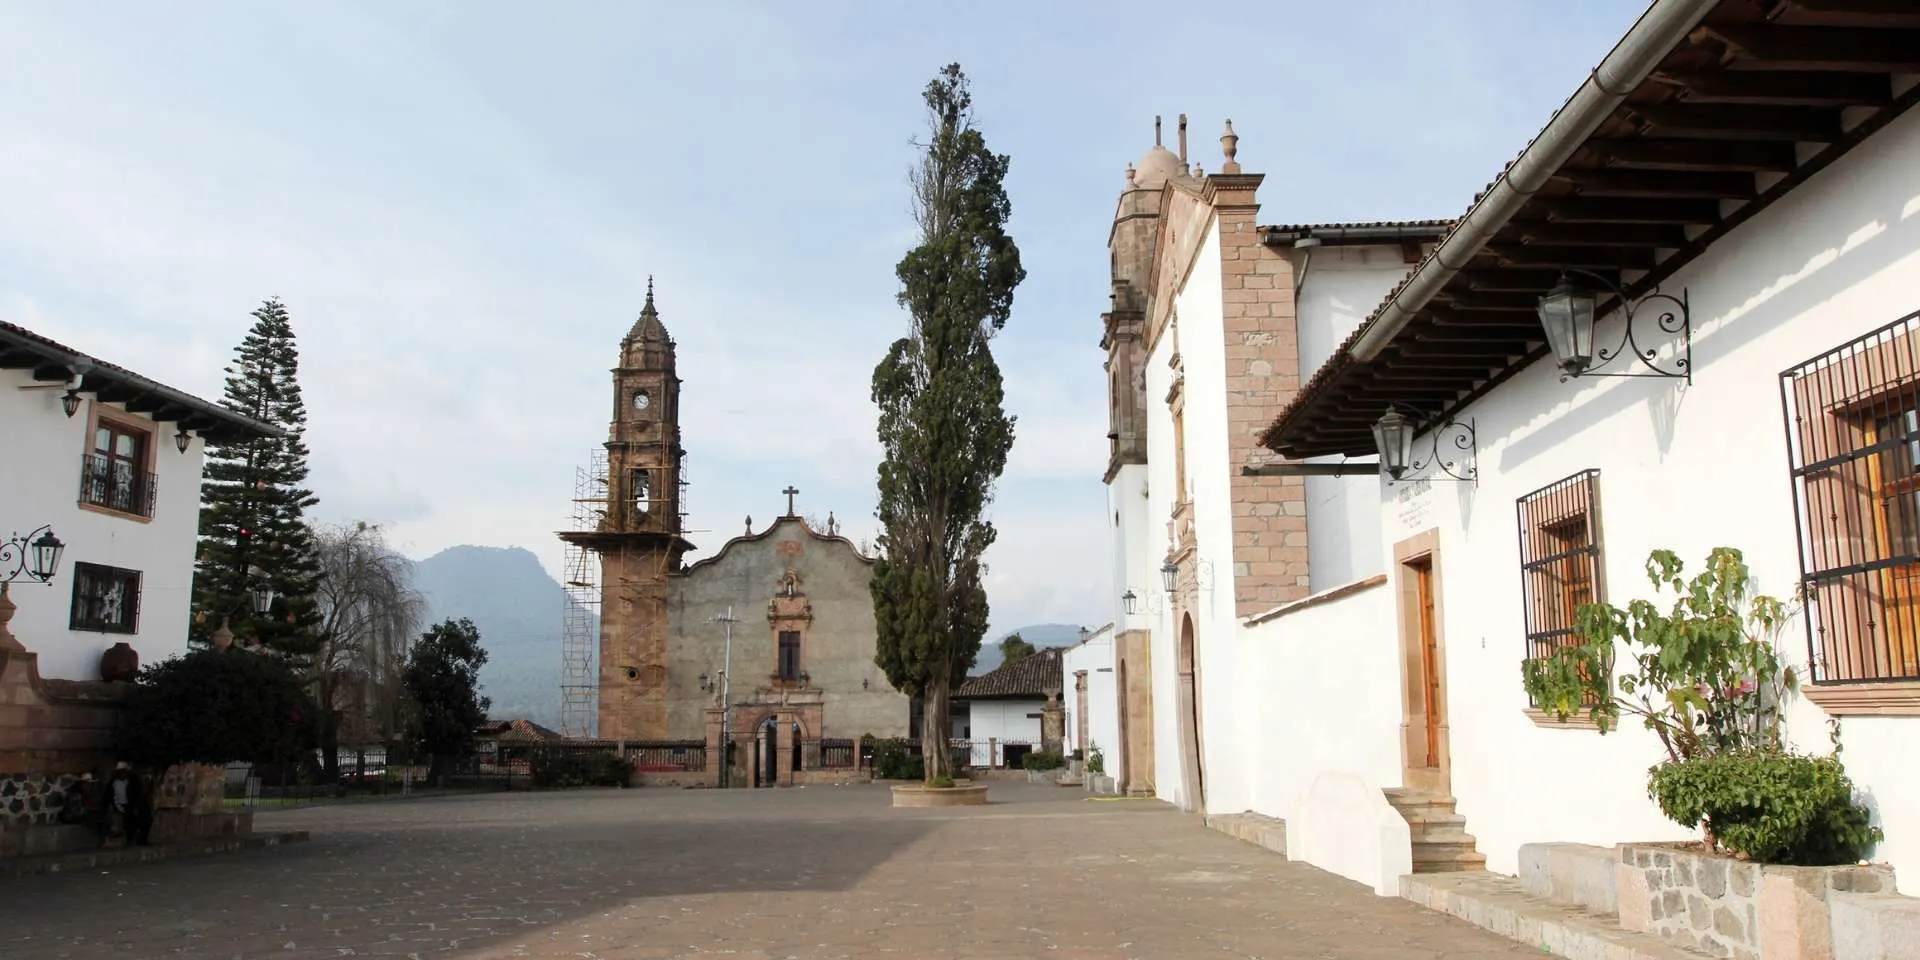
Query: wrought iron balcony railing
<point>107,483</point>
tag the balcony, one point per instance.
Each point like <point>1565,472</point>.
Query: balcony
<point>112,486</point>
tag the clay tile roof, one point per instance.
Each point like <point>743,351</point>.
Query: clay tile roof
<point>1435,225</point>
<point>1037,676</point>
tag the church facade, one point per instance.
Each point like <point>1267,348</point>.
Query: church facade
<point>800,672</point>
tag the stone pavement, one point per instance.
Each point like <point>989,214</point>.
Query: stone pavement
<point>816,872</point>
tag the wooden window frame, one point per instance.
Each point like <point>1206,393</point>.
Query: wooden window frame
<point>1553,559</point>
<point>1862,612</point>
<point>142,497</point>
<point>79,611</point>
<point>780,648</point>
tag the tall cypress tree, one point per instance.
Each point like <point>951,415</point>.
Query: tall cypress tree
<point>942,426</point>
<point>253,503</point>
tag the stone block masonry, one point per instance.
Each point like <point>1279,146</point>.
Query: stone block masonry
<point>1731,908</point>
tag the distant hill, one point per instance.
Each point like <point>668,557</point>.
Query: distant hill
<point>518,609</point>
<point>1041,635</point>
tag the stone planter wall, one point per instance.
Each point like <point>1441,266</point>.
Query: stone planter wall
<point>1732,908</point>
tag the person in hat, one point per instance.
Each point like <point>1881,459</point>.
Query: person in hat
<point>119,798</point>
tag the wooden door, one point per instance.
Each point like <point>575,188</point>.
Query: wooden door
<point>1429,660</point>
<point>1895,475</point>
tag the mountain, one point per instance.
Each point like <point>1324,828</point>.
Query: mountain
<point>518,610</point>
<point>1041,635</point>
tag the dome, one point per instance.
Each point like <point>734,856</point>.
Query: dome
<point>1156,168</point>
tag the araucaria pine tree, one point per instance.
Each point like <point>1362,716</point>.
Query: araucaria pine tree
<point>942,427</point>
<point>253,503</point>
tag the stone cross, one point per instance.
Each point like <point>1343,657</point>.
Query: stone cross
<point>790,491</point>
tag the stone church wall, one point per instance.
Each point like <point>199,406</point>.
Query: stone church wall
<point>837,646</point>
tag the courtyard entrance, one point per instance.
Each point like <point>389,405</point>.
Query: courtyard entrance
<point>666,873</point>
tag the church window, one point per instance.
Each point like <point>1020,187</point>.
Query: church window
<point>642,492</point>
<point>789,654</point>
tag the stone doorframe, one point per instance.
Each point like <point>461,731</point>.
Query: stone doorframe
<point>1193,770</point>
<point>1412,558</point>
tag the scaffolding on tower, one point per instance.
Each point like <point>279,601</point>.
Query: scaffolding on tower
<point>580,646</point>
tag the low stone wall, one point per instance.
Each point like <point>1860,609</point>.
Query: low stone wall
<point>1733,908</point>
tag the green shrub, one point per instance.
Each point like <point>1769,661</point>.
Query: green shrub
<point>1767,805</point>
<point>892,760</point>
<point>1043,760</point>
<point>941,782</point>
<point>217,706</point>
<point>1096,761</point>
<point>579,768</point>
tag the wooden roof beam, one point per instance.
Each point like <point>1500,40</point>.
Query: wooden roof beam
<point>1581,210</point>
<point>1775,47</point>
<point>1518,279</point>
<point>1797,88</point>
<point>1662,184</point>
<point>1738,121</point>
<point>1591,234</point>
<point>1721,155</point>
<point>1619,258</point>
<point>1847,13</point>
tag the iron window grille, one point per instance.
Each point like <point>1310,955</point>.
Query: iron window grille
<point>105,599</point>
<point>1852,418</point>
<point>116,485</point>
<point>1560,560</point>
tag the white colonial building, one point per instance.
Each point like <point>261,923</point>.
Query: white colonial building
<point>1092,701</point>
<point>106,462</point>
<point>1745,192</point>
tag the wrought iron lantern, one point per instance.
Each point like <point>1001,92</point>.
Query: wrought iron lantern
<point>263,597</point>
<point>1566,313</point>
<point>1393,435</point>
<point>71,402</point>
<point>1169,573</point>
<point>37,558</point>
<point>1130,603</point>
<point>182,440</point>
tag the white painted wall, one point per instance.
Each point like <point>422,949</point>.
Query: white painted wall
<point>1340,289</point>
<point>994,722</point>
<point>1095,655</point>
<point>41,485</point>
<point>1687,468</point>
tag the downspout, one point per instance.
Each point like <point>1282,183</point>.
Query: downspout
<point>1656,33</point>
<point>1306,246</point>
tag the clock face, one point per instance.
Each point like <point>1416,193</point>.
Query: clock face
<point>641,401</point>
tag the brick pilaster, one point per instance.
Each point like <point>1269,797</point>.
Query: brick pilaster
<point>1263,373</point>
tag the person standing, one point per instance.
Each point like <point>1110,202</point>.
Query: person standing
<point>140,808</point>
<point>119,799</point>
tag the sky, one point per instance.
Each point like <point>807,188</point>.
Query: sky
<point>460,202</point>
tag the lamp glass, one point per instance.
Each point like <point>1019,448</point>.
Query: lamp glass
<point>70,402</point>
<point>46,556</point>
<point>262,599</point>
<point>1393,437</point>
<point>1130,603</point>
<point>1566,314</point>
<point>1167,574</point>
<point>181,440</point>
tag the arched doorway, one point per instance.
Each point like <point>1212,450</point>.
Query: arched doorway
<point>767,741</point>
<point>1192,768</point>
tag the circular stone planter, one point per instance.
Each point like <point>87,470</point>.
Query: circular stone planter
<point>959,795</point>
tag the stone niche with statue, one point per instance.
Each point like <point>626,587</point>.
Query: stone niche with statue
<point>55,734</point>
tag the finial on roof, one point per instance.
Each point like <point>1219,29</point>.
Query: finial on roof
<point>1197,172</point>
<point>1230,145</point>
<point>1130,174</point>
<point>1183,138</point>
<point>749,524</point>
<point>649,307</point>
<point>1156,130</point>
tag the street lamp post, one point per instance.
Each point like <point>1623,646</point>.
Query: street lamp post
<point>37,558</point>
<point>726,697</point>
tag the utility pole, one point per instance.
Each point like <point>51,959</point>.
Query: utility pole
<point>726,699</point>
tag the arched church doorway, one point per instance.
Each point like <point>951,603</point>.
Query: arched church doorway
<point>1192,767</point>
<point>767,741</point>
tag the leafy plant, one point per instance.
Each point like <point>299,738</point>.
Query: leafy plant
<point>217,706</point>
<point>1768,805</point>
<point>1706,676</point>
<point>893,761</point>
<point>1043,760</point>
<point>1096,760</point>
<point>559,767</point>
<point>941,781</point>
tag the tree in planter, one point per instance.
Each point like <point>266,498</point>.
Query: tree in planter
<point>216,706</point>
<point>443,679</point>
<point>942,428</point>
<point>253,504</point>
<point>1709,683</point>
<point>1707,676</point>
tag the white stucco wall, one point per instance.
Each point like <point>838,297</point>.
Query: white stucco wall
<point>1095,656</point>
<point>41,485</point>
<point>1301,674</point>
<point>1686,468</point>
<point>996,722</point>
<point>1340,289</point>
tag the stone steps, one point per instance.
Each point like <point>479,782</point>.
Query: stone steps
<point>1441,843</point>
<point>1498,904</point>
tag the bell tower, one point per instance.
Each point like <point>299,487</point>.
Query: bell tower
<point>639,533</point>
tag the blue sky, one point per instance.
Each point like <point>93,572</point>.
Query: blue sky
<point>460,202</point>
